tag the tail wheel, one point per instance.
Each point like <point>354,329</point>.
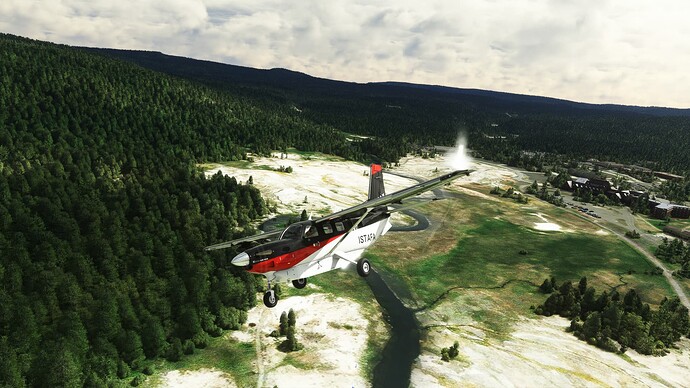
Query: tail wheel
<point>300,283</point>
<point>363,267</point>
<point>270,299</point>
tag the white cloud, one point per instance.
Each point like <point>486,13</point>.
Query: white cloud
<point>632,52</point>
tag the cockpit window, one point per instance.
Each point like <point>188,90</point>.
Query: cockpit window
<point>292,232</point>
<point>311,232</point>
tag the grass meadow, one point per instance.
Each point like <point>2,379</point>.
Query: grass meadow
<point>483,259</point>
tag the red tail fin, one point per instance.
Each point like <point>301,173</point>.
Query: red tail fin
<point>376,188</point>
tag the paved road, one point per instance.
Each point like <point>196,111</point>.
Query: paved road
<point>422,222</point>
<point>609,216</point>
<point>667,273</point>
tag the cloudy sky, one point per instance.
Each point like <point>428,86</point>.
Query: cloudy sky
<point>628,51</point>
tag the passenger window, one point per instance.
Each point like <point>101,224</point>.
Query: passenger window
<point>339,226</point>
<point>327,229</point>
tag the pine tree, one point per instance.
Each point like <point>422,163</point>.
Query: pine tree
<point>283,323</point>
<point>546,287</point>
<point>582,285</point>
<point>292,318</point>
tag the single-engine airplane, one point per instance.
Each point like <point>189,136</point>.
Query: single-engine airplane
<point>312,247</point>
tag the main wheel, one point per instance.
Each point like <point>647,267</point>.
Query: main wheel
<point>363,267</point>
<point>270,298</point>
<point>300,283</point>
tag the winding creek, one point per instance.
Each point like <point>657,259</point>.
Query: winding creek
<point>403,346</point>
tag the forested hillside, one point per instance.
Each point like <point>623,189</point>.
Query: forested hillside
<point>500,126</point>
<point>103,215</point>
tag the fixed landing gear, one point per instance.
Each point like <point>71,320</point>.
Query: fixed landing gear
<point>300,283</point>
<point>270,298</point>
<point>363,268</point>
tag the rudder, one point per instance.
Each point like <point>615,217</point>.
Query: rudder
<point>376,188</point>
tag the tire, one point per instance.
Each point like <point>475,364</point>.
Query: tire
<point>300,283</point>
<point>270,299</point>
<point>363,268</point>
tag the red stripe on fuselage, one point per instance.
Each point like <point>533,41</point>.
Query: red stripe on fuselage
<point>290,259</point>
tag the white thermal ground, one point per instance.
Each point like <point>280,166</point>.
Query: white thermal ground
<point>327,184</point>
<point>546,225</point>
<point>540,353</point>
<point>202,378</point>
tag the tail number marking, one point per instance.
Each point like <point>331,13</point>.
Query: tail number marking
<point>367,238</point>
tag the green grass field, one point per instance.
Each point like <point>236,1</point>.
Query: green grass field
<point>677,222</point>
<point>489,255</point>
<point>485,272</point>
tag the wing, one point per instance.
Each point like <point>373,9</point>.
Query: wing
<point>256,237</point>
<point>368,205</point>
<point>404,193</point>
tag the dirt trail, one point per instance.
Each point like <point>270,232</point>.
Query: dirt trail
<point>259,357</point>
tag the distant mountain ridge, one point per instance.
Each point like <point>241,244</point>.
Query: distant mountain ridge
<point>525,98</point>
<point>292,81</point>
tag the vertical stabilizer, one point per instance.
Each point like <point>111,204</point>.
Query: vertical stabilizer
<point>376,188</point>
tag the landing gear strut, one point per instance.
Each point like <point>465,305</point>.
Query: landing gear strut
<point>363,267</point>
<point>300,283</point>
<point>270,297</point>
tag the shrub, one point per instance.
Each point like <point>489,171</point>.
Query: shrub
<point>188,347</point>
<point>137,380</point>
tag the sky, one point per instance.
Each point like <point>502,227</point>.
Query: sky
<point>633,52</point>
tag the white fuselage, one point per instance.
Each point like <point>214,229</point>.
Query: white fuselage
<point>341,252</point>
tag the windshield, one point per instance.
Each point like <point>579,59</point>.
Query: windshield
<point>292,232</point>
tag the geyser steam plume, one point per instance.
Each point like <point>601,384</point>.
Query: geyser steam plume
<point>459,159</point>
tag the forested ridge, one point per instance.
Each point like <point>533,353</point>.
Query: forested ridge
<point>104,216</point>
<point>499,126</point>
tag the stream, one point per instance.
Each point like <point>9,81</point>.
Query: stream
<point>403,346</point>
